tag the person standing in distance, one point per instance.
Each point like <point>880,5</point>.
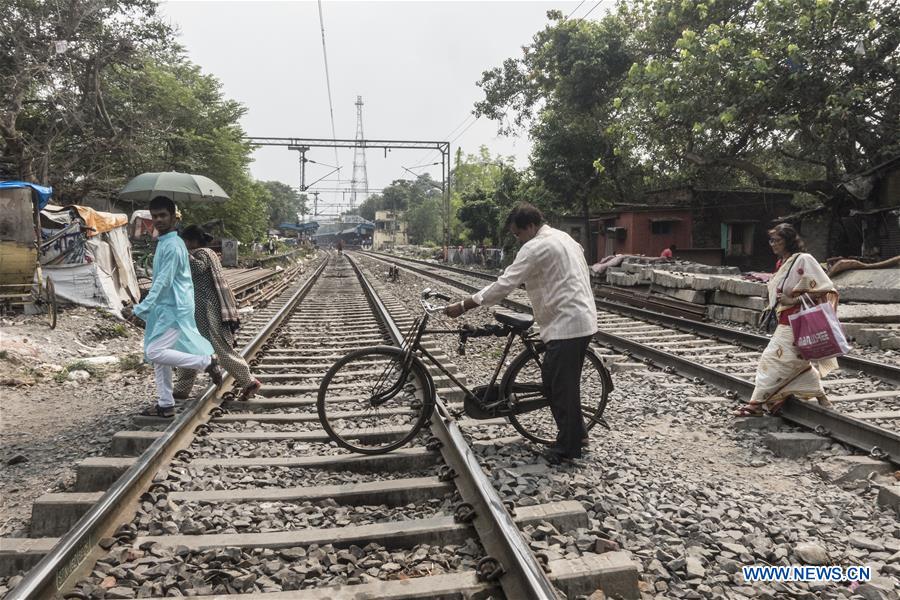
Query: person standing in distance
<point>552,266</point>
<point>171,338</point>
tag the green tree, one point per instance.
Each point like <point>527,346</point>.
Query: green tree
<point>58,121</point>
<point>563,91</point>
<point>285,203</point>
<point>480,214</point>
<point>790,95</point>
<point>424,221</point>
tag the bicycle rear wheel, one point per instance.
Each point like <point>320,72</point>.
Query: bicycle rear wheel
<point>523,378</point>
<point>375,400</point>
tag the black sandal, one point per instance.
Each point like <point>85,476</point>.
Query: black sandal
<point>214,372</point>
<point>163,412</point>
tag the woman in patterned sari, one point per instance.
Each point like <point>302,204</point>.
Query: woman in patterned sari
<point>216,314</point>
<point>782,372</point>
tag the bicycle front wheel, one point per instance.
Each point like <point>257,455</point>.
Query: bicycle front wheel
<point>523,379</point>
<point>375,400</point>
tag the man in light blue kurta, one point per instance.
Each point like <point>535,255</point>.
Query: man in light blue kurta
<point>171,337</point>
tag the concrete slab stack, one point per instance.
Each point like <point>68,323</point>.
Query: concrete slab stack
<point>869,309</point>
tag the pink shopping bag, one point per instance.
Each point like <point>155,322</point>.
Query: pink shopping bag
<point>817,331</point>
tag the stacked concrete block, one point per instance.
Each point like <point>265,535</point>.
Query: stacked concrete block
<point>750,302</point>
<point>620,279</point>
<point>742,287</point>
<point>694,296</point>
<point>716,312</point>
<point>869,285</point>
<point>729,297</point>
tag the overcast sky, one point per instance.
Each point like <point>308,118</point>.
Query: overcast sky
<point>415,65</point>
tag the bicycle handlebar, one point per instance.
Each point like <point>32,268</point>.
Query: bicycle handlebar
<point>430,308</point>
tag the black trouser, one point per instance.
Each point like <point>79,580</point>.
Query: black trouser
<point>561,375</point>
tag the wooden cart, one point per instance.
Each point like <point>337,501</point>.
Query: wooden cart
<point>21,283</point>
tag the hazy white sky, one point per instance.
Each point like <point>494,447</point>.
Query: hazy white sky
<point>414,63</point>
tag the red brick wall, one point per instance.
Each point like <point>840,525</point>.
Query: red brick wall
<point>639,237</point>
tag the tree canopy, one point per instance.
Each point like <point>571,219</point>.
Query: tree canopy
<point>94,92</point>
<point>787,94</point>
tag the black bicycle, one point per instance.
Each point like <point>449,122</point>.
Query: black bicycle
<point>377,399</point>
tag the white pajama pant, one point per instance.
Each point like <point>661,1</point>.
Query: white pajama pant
<point>164,358</point>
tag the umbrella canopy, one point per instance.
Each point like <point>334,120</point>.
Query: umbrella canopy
<point>180,187</point>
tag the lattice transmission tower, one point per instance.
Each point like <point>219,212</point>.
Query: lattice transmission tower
<point>359,184</point>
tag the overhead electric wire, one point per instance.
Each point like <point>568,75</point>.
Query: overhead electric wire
<point>328,85</point>
<point>576,8</point>
<point>584,16</point>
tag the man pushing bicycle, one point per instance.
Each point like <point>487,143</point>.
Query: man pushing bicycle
<point>552,266</point>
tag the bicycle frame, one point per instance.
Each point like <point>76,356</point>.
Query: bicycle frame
<point>421,329</point>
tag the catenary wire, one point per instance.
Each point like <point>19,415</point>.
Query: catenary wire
<point>328,85</point>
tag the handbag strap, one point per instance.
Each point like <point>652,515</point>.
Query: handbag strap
<point>786,275</point>
<point>806,301</point>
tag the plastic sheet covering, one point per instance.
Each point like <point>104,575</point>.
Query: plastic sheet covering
<point>100,222</point>
<point>43,193</point>
<point>141,225</point>
<point>120,247</point>
<point>63,246</point>
<point>86,285</point>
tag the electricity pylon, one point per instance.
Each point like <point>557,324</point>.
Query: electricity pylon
<point>359,184</point>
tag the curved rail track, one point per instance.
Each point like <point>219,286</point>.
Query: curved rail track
<point>250,497</point>
<point>866,393</point>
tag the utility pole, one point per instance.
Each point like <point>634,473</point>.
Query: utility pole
<point>315,205</point>
<point>359,184</point>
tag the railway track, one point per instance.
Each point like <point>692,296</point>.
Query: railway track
<point>866,394</point>
<point>234,498</point>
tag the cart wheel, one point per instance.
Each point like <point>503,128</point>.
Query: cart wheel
<point>50,300</point>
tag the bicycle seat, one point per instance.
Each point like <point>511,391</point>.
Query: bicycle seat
<point>515,320</point>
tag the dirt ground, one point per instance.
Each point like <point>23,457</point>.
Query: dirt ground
<point>88,369</point>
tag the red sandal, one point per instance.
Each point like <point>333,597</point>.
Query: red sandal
<point>751,409</point>
<point>250,389</point>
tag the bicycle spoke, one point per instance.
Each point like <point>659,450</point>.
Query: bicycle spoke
<point>376,408</point>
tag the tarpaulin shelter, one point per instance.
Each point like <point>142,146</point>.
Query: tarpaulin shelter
<point>88,255</point>
<point>41,192</point>
<point>141,225</point>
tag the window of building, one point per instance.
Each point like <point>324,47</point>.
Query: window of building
<point>737,238</point>
<point>661,227</point>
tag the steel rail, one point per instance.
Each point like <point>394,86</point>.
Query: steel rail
<point>522,575</point>
<point>56,570</point>
<point>877,441</point>
<point>754,341</point>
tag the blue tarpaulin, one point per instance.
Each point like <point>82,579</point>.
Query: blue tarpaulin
<point>43,193</point>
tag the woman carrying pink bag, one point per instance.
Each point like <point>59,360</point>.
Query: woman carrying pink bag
<point>782,370</point>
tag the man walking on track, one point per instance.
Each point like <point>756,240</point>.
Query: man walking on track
<point>171,338</point>
<point>216,314</point>
<point>552,266</point>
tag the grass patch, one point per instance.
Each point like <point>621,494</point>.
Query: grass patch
<point>108,331</point>
<point>131,362</point>
<point>79,365</point>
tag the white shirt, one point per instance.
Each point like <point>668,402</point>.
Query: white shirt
<point>558,283</point>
